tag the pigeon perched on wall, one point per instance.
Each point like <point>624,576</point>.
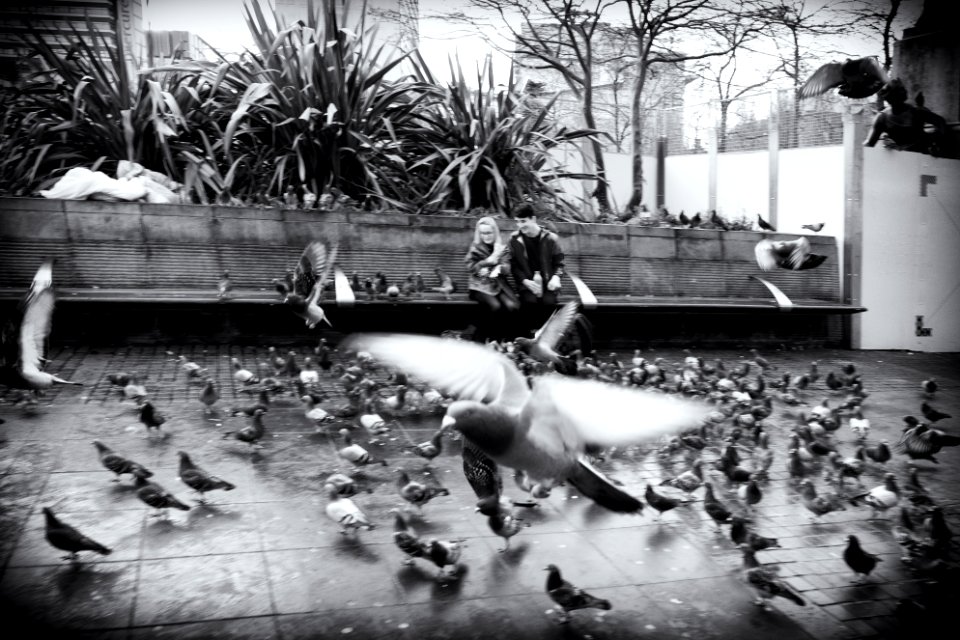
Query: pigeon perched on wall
<point>24,338</point>
<point>853,78</point>
<point>544,431</point>
<point>64,537</point>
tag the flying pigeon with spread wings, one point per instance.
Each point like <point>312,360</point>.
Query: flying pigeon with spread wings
<point>310,278</point>
<point>23,346</point>
<point>787,254</point>
<point>853,78</point>
<point>544,431</point>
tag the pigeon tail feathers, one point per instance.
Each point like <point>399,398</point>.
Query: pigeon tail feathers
<point>594,485</point>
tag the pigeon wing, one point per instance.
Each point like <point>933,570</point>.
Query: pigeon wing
<point>766,255</point>
<point>799,253</point>
<point>465,369</point>
<point>311,268</point>
<point>35,328</point>
<point>589,411</point>
<point>560,322</point>
<point>823,79</point>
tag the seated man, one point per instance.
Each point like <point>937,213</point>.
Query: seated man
<point>903,123</point>
<point>536,262</point>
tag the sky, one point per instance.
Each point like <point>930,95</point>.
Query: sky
<point>221,23</point>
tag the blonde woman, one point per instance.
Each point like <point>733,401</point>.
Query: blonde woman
<point>488,265</point>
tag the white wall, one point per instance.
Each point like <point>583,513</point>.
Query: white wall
<point>911,252</point>
<point>743,185</point>
<point>620,175</point>
<point>687,183</point>
<point>810,190</point>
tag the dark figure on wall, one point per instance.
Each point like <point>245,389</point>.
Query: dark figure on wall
<point>902,125</point>
<point>488,263</point>
<point>536,260</point>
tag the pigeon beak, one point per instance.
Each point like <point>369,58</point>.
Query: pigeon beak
<point>325,319</point>
<point>448,422</point>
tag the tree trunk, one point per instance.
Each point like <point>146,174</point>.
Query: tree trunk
<point>722,129</point>
<point>600,167</point>
<point>600,192</point>
<point>636,127</point>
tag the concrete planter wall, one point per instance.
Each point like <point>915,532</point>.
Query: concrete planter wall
<point>106,244</point>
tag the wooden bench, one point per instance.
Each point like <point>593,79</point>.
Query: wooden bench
<point>158,266</point>
<point>189,273</point>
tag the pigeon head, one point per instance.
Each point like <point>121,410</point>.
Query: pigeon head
<point>102,448</point>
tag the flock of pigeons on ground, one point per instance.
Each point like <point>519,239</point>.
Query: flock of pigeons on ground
<point>554,419</point>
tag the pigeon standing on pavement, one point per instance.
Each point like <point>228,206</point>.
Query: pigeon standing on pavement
<point>764,582</point>
<point>345,512</point>
<point>64,537</point>
<point>569,597</point>
<point>430,449</point>
<point>859,561</point>
<point>153,495</point>
<point>660,503</point>
<point>405,539</point>
<point>717,511</point>
<point>151,418</point>
<point>209,396</point>
<point>544,431</point>
<point>740,533</point>
<point>355,454</point>
<point>881,497</point>
<point>506,525</point>
<point>116,463</point>
<point>415,492</point>
<point>198,479</point>
<point>250,433</point>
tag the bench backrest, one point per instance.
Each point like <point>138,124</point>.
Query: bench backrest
<point>130,245</point>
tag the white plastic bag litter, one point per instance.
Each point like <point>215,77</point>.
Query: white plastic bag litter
<point>80,183</point>
<point>133,182</point>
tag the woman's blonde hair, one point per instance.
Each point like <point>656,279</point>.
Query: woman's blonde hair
<point>493,223</point>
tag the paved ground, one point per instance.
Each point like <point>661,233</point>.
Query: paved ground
<point>264,561</point>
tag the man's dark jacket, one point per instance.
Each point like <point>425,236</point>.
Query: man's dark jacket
<point>551,258</point>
